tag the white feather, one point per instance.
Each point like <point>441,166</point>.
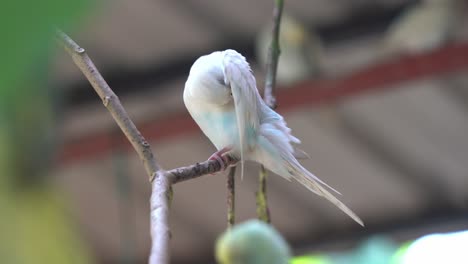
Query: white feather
<point>238,75</point>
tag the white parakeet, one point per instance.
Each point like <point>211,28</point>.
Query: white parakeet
<point>301,51</point>
<point>423,27</point>
<point>252,242</point>
<point>222,97</point>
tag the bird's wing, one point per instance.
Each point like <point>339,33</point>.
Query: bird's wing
<point>247,100</point>
<point>285,138</point>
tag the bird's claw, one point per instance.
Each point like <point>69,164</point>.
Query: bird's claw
<point>221,157</point>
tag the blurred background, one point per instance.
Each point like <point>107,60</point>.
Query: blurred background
<point>377,90</point>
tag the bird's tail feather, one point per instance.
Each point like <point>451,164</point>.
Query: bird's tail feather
<point>277,152</point>
<point>313,183</point>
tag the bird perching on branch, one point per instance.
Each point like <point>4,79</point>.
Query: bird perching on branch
<point>222,97</point>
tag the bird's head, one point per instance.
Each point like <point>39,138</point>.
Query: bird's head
<point>206,80</point>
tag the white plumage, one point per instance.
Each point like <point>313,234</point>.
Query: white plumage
<point>222,97</point>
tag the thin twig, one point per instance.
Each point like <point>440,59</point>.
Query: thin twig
<point>263,212</point>
<point>161,184</point>
<point>270,83</point>
<point>273,56</point>
<point>231,197</point>
<point>208,167</point>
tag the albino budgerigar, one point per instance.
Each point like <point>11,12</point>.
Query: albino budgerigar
<point>222,97</point>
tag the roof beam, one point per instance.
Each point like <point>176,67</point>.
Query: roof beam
<point>123,80</point>
<point>374,78</point>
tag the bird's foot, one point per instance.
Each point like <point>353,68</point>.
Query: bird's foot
<point>221,157</point>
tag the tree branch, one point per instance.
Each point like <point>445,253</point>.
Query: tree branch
<point>160,183</point>
<point>208,167</point>
<point>111,102</point>
<point>161,180</point>
<point>161,192</point>
<point>270,83</point>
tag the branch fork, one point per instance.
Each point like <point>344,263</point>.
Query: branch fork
<point>161,180</point>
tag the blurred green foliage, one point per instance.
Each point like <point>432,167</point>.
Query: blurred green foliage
<point>310,260</point>
<point>26,30</point>
<point>34,223</point>
<point>377,249</point>
<point>252,242</point>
